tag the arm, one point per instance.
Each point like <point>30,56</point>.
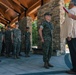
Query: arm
<point>72,16</point>
<point>40,33</point>
<point>12,36</point>
<point>25,35</point>
<point>52,27</point>
<point>2,38</point>
<point>70,27</point>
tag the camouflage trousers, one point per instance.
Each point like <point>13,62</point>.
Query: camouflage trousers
<point>27,47</point>
<point>0,47</point>
<point>8,45</point>
<point>17,46</point>
<point>47,50</point>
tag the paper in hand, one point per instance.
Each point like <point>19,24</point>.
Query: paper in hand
<point>66,10</point>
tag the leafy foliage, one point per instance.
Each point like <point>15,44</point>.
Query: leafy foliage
<point>34,33</point>
<point>67,5</point>
<point>1,25</point>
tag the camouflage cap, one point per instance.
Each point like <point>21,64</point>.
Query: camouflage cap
<point>47,14</point>
<point>8,26</point>
<point>27,27</point>
<point>17,23</point>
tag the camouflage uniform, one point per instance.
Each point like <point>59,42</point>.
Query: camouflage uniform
<point>8,41</point>
<point>16,41</point>
<point>1,35</point>
<point>47,36</point>
<point>3,45</point>
<point>27,42</point>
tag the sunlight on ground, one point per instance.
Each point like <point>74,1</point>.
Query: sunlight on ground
<point>67,49</point>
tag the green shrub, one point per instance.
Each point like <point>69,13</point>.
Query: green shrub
<point>34,33</point>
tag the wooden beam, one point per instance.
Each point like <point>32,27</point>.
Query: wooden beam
<point>16,1</point>
<point>34,6</point>
<point>42,2</point>
<point>31,11</point>
<point>3,18</point>
<point>3,21</point>
<point>21,2</point>
<point>7,10</point>
<point>14,20</point>
<point>19,17</point>
<point>6,3</point>
<point>21,5</point>
<point>13,6</point>
<point>25,8</point>
<point>16,6</point>
<point>5,15</point>
<point>23,15</point>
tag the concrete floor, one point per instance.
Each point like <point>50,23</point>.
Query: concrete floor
<point>34,65</point>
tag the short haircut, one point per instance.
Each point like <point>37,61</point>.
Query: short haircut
<point>8,26</point>
<point>47,14</point>
<point>27,28</point>
<point>16,23</point>
<point>73,2</point>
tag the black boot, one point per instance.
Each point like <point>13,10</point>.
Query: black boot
<point>50,65</point>
<point>17,56</point>
<point>27,55</point>
<point>46,65</point>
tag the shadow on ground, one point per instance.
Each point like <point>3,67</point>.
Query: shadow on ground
<point>67,62</point>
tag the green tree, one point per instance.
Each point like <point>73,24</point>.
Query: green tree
<point>67,5</point>
<point>1,25</point>
<point>34,33</point>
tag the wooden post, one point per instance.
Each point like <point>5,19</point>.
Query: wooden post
<point>42,2</point>
<point>18,16</point>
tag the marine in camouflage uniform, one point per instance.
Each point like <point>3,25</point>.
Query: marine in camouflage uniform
<point>16,41</point>
<point>3,43</point>
<point>27,42</point>
<point>1,40</point>
<point>45,32</point>
<point>8,41</point>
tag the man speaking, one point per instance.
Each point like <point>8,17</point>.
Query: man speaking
<point>70,35</point>
<point>72,15</point>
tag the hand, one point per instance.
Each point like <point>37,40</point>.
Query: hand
<point>70,15</point>
<point>42,40</point>
<point>2,40</point>
<point>23,35</point>
<point>12,41</point>
<point>69,38</point>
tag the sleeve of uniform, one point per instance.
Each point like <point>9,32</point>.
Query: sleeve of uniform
<point>42,25</point>
<point>30,33</point>
<point>52,26</point>
<point>4,33</point>
<point>25,34</point>
<point>70,27</point>
<point>13,32</point>
<point>20,32</point>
